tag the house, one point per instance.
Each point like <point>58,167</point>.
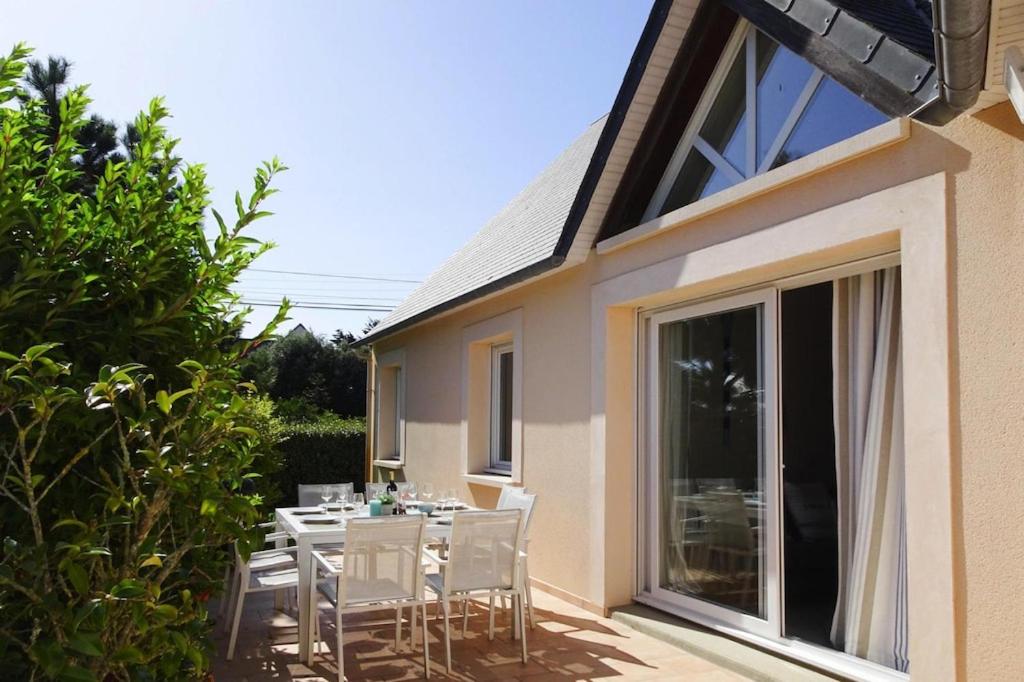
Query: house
<point>755,339</point>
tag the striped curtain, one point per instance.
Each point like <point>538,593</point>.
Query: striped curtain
<point>870,619</point>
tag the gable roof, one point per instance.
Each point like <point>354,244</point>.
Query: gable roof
<point>516,242</point>
<point>880,49</point>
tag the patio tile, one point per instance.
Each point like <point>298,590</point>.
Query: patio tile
<point>566,644</point>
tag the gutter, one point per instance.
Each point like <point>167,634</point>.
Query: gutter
<point>961,48</point>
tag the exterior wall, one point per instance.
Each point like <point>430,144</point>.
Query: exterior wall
<point>579,390</point>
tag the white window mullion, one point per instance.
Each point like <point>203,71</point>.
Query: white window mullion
<point>719,161</point>
<point>792,119</point>
<point>751,97</point>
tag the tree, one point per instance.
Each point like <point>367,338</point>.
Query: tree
<point>97,139</point>
<point>125,432</point>
<point>319,375</point>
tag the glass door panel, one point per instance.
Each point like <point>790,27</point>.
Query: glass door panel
<point>713,455</point>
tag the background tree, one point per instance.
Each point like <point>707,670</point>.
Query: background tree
<point>305,374</point>
<point>125,431</point>
<point>97,139</point>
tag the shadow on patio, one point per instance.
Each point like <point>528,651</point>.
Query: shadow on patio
<point>568,643</point>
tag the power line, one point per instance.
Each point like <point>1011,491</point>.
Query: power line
<point>323,274</point>
<point>328,297</point>
<point>312,305</point>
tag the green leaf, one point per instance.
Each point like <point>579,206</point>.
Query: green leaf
<point>208,508</point>
<point>79,578</point>
<point>87,643</point>
<point>128,589</point>
<point>163,401</point>
<point>152,560</point>
<point>77,674</point>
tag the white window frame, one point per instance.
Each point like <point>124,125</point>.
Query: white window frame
<point>478,341</point>
<point>769,632</point>
<point>744,37</point>
<point>496,466</point>
<point>768,464</point>
<point>389,446</point>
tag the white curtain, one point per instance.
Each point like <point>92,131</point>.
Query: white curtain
<point>870,619</point>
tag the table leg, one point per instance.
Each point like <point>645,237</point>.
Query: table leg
<point>279,594</point>
<point>304,556</point>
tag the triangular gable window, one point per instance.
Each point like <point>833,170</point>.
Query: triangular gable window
<point>763,107</point>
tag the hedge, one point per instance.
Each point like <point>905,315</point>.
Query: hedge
<point>329,450</point>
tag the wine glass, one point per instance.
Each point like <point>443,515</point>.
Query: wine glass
<point>326,493</point>
<point>357,502</point>
<point>427,492</point>
<point>453,498</point>
<point>341,495</point>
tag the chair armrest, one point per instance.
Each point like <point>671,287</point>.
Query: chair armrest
<point>267,552</point>
<point>323,562</point>
<point>434,557</point>
<point>268,524</point>
<point>274,537</point>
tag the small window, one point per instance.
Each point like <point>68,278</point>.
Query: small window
<point>501,409</point>
<point>764,107</point>
<point>390,412</point>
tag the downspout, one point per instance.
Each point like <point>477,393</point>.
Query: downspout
<point>371,417</point>
<point>961,48</point>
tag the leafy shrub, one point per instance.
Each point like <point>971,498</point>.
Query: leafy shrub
<point>329,450</point>
<point>125,434</point>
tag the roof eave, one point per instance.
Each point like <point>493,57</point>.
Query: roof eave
<point>494,286</point>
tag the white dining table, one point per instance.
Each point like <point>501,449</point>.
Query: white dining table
<point>308,535</point>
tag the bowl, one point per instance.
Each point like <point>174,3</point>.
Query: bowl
<point>427,508</point>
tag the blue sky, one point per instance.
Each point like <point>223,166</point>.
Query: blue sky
<point>406,125</point>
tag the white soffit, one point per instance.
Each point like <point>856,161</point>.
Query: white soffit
<point>1006,28</point>
<point>677,24</point>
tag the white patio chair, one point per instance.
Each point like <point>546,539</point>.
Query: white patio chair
<point>512,497</point>
<point>483,559</point>
<point>309,493</point>
<point>264,571</point>
<point>269,559</point>
<point>382,567</point>
<point>375,489</point>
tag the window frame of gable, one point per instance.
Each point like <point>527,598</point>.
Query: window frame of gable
<point>744,37</point>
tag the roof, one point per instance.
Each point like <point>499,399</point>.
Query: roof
<point>907,22</point>
<point>522,235</point>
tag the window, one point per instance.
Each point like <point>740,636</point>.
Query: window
<point>390,425</point>
<point>501,409</point>
<point>764,107</point>
<point>492,400</point>
<point>775,469</point>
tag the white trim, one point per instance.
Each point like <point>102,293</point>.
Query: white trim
<point>911,217</point>
<point>830,660</point>
<point>490,480</point>
<point>717,160</point>
<point>700,113</point>
<point>804,99</point>
<point>498,351</point>
<point>390,367</point>
<point>871,140</point>
<point>766,299</point>
<point>478,341</point>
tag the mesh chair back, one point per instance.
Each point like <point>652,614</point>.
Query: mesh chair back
<point>382,561</point>
<point>375,489</point>
<point>518,498</point>
<point>383,558</point>
<point>309,493</point>
<point>503,496</point>
<point>483,550</point>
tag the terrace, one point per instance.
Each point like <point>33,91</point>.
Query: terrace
<point>568,643</point>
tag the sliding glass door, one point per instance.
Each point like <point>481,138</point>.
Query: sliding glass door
<point>712,465</point>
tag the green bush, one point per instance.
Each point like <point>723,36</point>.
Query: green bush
<point>330,450</point>
<point>125,432</point>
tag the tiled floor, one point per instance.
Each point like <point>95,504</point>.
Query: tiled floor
<point>567,643</point>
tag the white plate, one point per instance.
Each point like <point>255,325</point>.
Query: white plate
<point>302,511</point>
<point>321,519</point>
